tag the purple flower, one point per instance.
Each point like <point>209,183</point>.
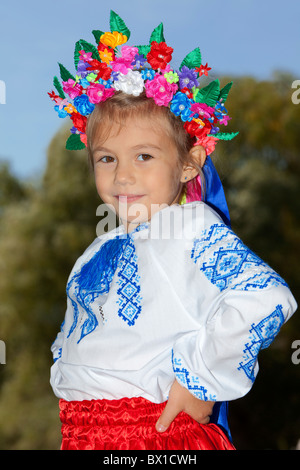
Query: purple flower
<point>114,76</point>
<point>81,68</point>
<point>139,61</point>
<point>187,78</point>
<point>214,130</point>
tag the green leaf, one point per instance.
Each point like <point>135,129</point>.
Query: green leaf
<point>224,135</point>
<point>64,73</point>
<point>97,35</point>
<point>209,94</point>
<point>59,88</point>
<point>144,50</point>
<point>224,92</point>
<point>192,60</point>
<point>74,143</point>
<point>87,47</point>
<point>157,34</point>
<point>117,24</point>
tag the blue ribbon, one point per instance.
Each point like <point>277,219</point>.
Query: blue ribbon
<point>220,417</point>
<point>214,193</point>
<point>215,198</point>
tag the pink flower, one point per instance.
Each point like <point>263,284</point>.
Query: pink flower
<point>225,120</point>
<point>72,88</point>
<point>128,53</point>
<point>121,65</point>
<point>202,109</point>
<point>209,143</point>
<point>85,56</point>
<point>124,63</point>
<point>83,138</point>
<point>97,93</point>
<point>160,90</point>
<point>166,70</point>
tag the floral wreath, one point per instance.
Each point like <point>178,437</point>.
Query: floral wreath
<point>103,70</point>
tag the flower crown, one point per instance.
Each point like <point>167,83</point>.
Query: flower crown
<point>103,70</point>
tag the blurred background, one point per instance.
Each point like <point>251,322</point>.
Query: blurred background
<point>48,200</point>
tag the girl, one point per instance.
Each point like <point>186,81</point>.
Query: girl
<point>165,314</point>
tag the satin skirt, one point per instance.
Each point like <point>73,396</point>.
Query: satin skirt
<point>129,424</point>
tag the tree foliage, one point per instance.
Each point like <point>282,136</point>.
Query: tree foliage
<point>44,228</point>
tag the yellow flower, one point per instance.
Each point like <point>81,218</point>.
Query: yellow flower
<point>105,56</point>
<point>91,77</point>
<point>113,39</point>
<point>199,122</point>
<point>70,109</point>
<point>171,77</point>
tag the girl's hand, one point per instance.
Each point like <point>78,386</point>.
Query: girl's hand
<point>180,399</point>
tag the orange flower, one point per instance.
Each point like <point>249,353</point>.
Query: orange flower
<point>113,39</point>
<point>70,109</point>
<point>106,56</point>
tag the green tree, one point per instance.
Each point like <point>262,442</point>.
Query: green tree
<point>41,238</point>
<point>261,174</point>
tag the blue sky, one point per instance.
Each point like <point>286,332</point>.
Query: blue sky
<point>236,37</point>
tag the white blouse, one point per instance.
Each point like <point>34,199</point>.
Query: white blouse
<point>180,297</point>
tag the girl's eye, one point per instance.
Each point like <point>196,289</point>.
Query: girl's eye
<point>107,159</point>
<point>144,157</point>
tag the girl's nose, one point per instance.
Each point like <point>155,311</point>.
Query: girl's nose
<point>124,174</point>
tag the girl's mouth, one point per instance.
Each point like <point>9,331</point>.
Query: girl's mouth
<point>128,198</point>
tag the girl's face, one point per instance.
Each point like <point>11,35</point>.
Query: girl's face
<point>136,170</point>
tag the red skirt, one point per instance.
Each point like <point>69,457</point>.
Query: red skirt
<point>129,424</point>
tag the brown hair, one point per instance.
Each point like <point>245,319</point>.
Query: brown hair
<point>121,106</point>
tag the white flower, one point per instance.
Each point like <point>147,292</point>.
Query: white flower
<point>132,83</point>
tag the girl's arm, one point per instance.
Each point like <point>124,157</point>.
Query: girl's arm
<point>180,399</point>
<point>246,304</point>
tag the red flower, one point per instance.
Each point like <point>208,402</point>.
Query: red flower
<point>103,70</point>
<point>79,121</point>
<point>160,55</point>
<point>102,47</point>
<point>187,92</point>
<point>53,96</point>
<point>195,130</point>
<point>203,69</point>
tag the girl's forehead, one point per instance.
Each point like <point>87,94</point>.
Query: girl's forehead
<point>134,126</point>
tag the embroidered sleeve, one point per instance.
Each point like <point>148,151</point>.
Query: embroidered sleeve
<point>56,347</point>
<point>249,304</point>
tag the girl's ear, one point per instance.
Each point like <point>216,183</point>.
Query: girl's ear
<point>197,155</point>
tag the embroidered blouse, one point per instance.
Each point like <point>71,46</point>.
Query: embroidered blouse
<point>180,297</point>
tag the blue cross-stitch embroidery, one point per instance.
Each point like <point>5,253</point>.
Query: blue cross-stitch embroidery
<point>58,356</point>
<point>261,336</point>
<point>227,262</point>
<point>129,300</point>
<point>192,382</point>
<point>95,277</point>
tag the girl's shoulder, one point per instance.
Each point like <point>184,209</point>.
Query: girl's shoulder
<point>187,221</point>
<point>95,246</point>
